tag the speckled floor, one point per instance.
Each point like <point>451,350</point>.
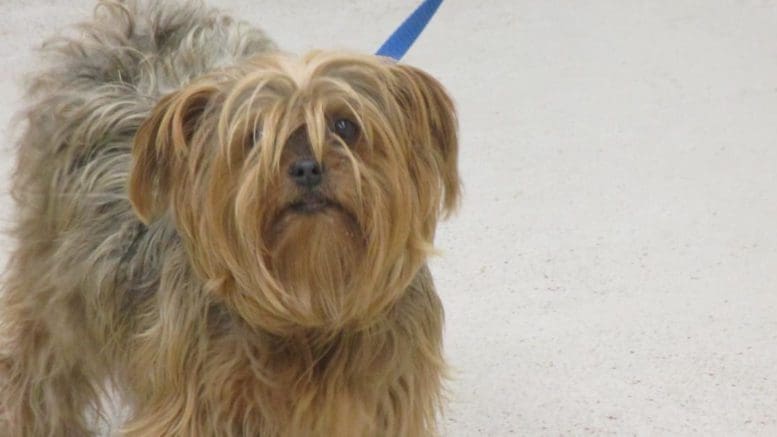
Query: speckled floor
<point>613,269</point>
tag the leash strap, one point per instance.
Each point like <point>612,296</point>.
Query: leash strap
<point>403,38</point>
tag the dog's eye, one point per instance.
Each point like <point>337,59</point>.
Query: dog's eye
<point>346,129</point>
<point>253,138</point>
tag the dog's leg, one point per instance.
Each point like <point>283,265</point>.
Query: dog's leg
<point>47,368</point>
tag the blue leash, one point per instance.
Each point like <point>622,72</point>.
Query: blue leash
<point>400,41</point>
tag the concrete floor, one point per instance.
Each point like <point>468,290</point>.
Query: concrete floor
<point>613,269</point>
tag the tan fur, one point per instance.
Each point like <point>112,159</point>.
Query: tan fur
<point>158,248</point>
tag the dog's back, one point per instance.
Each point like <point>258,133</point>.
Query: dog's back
<point>100,85</point>
<point>95,90</point>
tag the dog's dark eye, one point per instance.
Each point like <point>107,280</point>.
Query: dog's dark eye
<point>346,129</point>
<point>253,138</point>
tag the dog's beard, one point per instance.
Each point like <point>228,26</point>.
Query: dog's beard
<point>316,257</point>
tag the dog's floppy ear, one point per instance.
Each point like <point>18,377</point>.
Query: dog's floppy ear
<point>161,145</point>
<point>432,119</point>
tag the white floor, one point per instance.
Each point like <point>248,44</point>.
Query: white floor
<point>613,269</point>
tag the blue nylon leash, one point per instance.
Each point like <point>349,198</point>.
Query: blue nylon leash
<point>403,38</point>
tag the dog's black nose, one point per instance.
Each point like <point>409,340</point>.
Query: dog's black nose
<point>306,173</point>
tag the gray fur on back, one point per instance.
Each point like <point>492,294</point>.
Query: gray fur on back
<point>92,96</point>
<point>74,158</point>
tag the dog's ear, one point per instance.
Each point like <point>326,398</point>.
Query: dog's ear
<point>433,122</point>
<point>161,145</point>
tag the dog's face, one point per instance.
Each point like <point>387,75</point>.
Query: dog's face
<point>307,190</point>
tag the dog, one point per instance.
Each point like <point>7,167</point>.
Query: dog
<point>233,238</point>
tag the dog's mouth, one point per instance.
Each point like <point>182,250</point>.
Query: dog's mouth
<point>311,203</point>
<point>311,223</point>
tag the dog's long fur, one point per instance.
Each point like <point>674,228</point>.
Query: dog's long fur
<point>176,270</point>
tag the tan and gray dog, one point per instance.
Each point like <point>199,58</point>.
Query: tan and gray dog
<point>234,238</point>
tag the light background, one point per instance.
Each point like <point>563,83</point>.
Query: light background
<point>613,269</point>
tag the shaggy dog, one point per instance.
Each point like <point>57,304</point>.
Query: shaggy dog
<point>232,237</point>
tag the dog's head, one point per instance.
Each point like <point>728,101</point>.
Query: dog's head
<point>307,190</point>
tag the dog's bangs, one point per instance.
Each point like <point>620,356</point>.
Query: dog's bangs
<point>260,116</point>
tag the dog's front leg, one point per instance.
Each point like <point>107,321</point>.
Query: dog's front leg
<point>45,385</point>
